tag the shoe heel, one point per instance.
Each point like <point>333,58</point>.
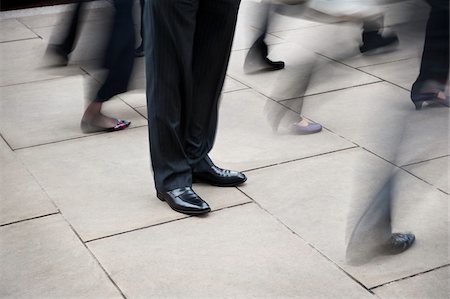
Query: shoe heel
<point>160,196</point>
<point>418,105</point>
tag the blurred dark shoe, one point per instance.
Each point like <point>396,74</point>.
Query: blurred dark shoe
<point>430,92</point>
<point>400,242</point>
<point>184,200</point>
<point>91,128</point>
<point>257,61</point>
<point>56,56</point>
<point>308,128</point>
<point>139,52</point>
<point>373,40</point>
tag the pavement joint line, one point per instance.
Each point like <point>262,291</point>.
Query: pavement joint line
<point>182,217</point>
<point>239,89</point>
<point>29,28</point>
<point>44,80</point>
<point>313,247</point>
<point>300,159</point>
<point>4,139</point>
<point>20,39</point>
<point>401,168</point>
<point>238,80</point>
<point>427,160</point>
<point>329,91</point>
<point>74,138</point>
<point>93,256</point>
<point>31,218</point>
<point>410,276</point>
<point>387,62</point>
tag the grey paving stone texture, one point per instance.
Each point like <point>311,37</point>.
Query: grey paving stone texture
<point>12,29</point>
<point>320,198</point>
<point>435,172</point>
<point>245,139</point>
<point>23,61</point>
<point>43,258</point>
<point>103,185</point>
<point>238,252</point>
<point>381,118</point>
<point>50,111</point>
<point>21,197</point>
<point>402,73</point>
<point>430,285</point>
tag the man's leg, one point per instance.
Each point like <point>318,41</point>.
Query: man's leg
<point>216,20</point>
<point>169,40</point>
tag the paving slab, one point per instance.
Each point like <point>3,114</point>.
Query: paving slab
<point>402,73</point>
<point>234,253</point>
<point>232,85</point>
<point>430,285</point>
<point>43,258</point>
<point>103,184</point>
<point>21,197</point>
<point>11,30</point>
<point>50,111</point>
<point>245,139</point>
<point>301,64</point>
<point>319,198</point>
<point>22,62</point>
<point>341,42</point>
<point>142,111</point>
<point>434,172</point>
<point>381,118</point>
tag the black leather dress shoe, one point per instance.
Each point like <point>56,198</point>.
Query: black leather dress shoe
<point>219,177</point>
<point>185,200</point>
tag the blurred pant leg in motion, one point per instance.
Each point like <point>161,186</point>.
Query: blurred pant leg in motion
<point>432,81</point>
<point>139,52</point>
<point>118,60</point>
<point>60,52</point>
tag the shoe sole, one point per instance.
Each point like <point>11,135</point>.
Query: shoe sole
<point>197,180</point>
<point>191,213</point>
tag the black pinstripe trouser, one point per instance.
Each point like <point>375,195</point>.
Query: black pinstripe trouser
<point>187,47</point>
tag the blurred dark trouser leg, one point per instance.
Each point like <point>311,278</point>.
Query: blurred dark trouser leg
<point>142,3</point>
<point>72,32</point>
<point>435,57</point>
<point>216,21</point>
<point>119,56</point>
<point>187,45</point>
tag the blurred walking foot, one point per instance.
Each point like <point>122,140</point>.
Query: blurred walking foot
<point>304,127</point>
<point>373,40</point>
<point>430,92</point>
<point>400,242</point>
<point>257,60</point>
<point>56,56</point>
<point>94,121</point>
